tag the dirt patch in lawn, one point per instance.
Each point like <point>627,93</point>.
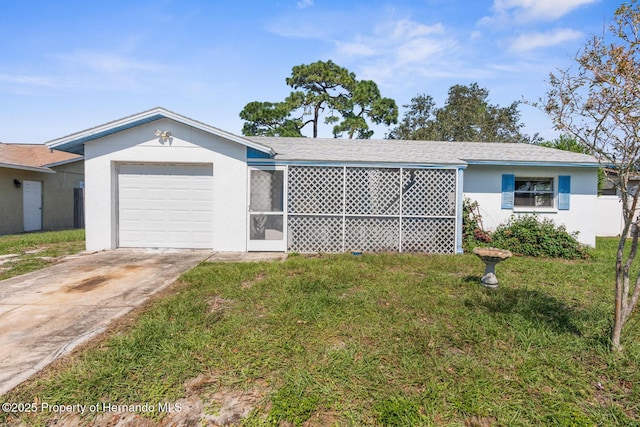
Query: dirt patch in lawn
<point>205,404</point>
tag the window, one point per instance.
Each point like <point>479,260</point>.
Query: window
<point>518,192</point>
<point>533,192</point>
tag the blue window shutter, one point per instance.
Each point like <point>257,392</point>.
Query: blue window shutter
<point>564,192</point>
<point>508,185</point>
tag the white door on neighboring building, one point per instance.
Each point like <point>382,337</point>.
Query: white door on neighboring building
<point>266,209</point>
<point>32,205</point>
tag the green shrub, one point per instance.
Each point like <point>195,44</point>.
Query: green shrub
<point>528,235</point>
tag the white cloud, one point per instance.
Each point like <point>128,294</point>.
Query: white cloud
<point>420,50</point>
<point>406,41</point>
<point>395,51</point>
<point>304,4</point>
<point>532,41</point>
<point>355,48</point>
<point>407,29</point>
<point>533,10</point>
<point>475,35</point>
<point>83,69</point>
<point>397,48</point>
<point>108,63</point>
<point>102,69</point>
<point>27,80</point>
<point>294,27</point>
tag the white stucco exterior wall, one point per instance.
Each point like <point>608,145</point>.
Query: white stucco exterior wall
<point>483,183</point>
<point>187,145</point>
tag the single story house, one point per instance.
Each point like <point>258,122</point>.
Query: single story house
<point>160,179</point>
<point>40,188</point>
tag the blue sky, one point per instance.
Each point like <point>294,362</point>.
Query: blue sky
<point>70,65</point>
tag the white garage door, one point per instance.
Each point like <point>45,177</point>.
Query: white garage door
<point>165,206</point>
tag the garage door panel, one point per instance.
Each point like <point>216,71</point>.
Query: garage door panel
<point>178,237</point>
<point>156,194</point>
<point>132,236</point>
<point>200,210</point>
<point>157,239</point>
<point>203,217</point>
<point>176,216</point>
<point>155,215</point>
<point>202,195</point>
<point>165,206</point>
<point>178,194</point>
<point>132,193</point>
<point>130,215</point>
<point>202,238</point>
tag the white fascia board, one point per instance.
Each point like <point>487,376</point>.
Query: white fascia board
<point>266,162</point>
<point>532,163</point>
<point>27,168</point>
<point>64,162</point>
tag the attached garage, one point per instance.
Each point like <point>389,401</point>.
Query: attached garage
<point>165,206</point>
<point>161,180</point>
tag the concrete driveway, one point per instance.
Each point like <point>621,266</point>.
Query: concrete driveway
<point>45,314</point>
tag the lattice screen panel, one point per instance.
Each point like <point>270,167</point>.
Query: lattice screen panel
<point>429,192</point>
<point>333,209</point>
<point>431,235</point>
<point>315,190</point>
<point>315,233</point>
<point>372,234</point>
<point>372,191</point>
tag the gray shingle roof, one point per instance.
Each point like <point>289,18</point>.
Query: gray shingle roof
<point>330,150</point>
<point>417,152</point>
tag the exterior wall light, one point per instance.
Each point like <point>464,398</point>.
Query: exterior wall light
<point>164,135</point>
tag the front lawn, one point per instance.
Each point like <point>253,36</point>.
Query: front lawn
<point>23,253</point>
<point>368,340</point>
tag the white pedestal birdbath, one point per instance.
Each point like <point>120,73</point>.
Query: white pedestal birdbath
<point>491,256</point>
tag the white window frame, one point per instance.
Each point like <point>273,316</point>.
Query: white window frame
<point>552,192</point>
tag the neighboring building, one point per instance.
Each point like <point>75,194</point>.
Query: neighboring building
<point>40,189</point>
<point>609,215</point>
<point>160,179</point>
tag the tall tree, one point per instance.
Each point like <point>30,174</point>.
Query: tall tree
<point>466,116</point>
<point>566,143</point>
<point>325,92</point>
<point>365,102</point>
<point>598,104</point>
<point>417,119</point>
<point>269,119</point>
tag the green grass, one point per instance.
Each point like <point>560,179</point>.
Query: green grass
<point>384,340</point>
<point>37,250</point>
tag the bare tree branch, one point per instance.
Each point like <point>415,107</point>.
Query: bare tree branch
<point>599,105</point>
